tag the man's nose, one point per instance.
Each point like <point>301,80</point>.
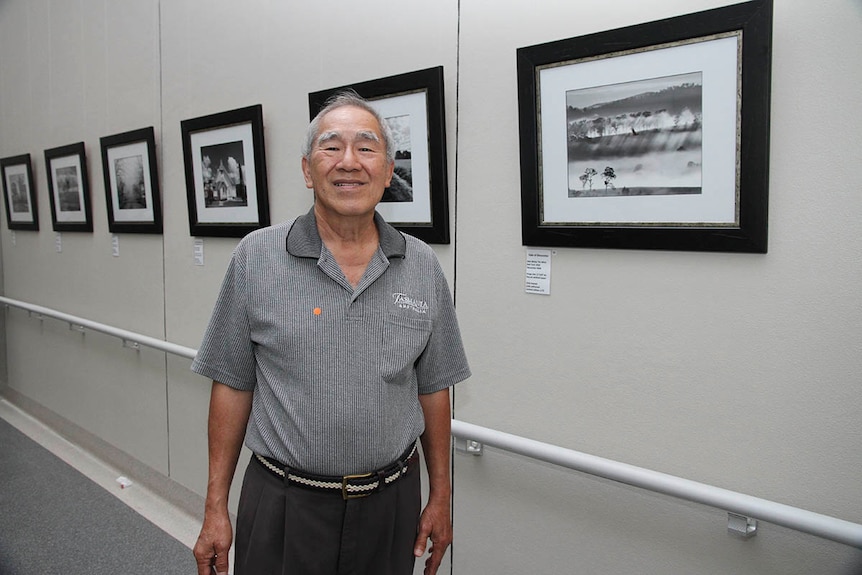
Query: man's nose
<point>349,160</point>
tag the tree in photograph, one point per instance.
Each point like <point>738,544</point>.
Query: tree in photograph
<point>609,175</point>
<point>587,178</point>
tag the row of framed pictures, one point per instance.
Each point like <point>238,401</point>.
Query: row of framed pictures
<point>131,183</point>
<point>654,136</point>
<point>225,169</point>
<point>133,199</point>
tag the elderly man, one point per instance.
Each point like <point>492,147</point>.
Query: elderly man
<point>332,348</point>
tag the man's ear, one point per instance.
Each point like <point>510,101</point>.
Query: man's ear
<point>306,173</point>
<point>391,171</point>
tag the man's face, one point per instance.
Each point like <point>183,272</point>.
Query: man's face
<point>347,167</point>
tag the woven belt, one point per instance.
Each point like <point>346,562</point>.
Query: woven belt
<point>350,486</point>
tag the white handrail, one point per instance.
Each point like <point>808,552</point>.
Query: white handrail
<point>799,519</point>
<point>809,522</point>
<point>125,335</point>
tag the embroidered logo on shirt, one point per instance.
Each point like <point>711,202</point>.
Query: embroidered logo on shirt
<point>404,301</point>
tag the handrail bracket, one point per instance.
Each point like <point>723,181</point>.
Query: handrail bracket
<point>741,526</point>
<point>468,446</point>
<point>131,344</point>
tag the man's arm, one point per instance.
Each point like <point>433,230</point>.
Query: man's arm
<point>436,444</point>
<point>228,417</point>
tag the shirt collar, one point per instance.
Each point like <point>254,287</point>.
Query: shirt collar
<point>303,239</point>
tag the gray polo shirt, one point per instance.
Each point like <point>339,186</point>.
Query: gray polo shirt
<point>336,371</point>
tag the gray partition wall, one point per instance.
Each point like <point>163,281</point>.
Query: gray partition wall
<point>736,370</point>
<point>3,377</point>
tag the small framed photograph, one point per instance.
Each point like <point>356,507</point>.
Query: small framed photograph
<point>417,201</point>
<point>225,166</point>
<point>132,182</point>
<point>69,188</point>
<point>654,136</point>
<point>19,196</point>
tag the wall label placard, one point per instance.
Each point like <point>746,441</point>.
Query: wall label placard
<point>538,272</point>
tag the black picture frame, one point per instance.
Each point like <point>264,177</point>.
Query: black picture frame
<point>416,102</point>
<point>69,188</point>
<point>19,195</point>
<point>567,97</point>
<point>229,199</point>
<point>132,191</point>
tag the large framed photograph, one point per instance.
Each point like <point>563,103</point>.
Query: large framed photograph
<point>132,182</point>
<point>417,201</point>
<point>19,196</point>
<point>654,136</point>
<point>69,188</point>
<point>225,165</point>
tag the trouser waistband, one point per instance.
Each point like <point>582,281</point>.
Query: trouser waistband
<point>349,486</point>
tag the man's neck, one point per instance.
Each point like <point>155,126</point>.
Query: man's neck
<point>346,231</point>
<point>352,242</point>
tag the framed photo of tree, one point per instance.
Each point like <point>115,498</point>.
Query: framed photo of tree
<point>132,182</point>
<point>654,136</point>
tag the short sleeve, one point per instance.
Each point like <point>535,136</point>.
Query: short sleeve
<point>443,363</point>
<point>226,353</point>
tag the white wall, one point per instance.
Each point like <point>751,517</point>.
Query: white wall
<point>74,72</point>
<point>740,371</point>
<point>735,370</point>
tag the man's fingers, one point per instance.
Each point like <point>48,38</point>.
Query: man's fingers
<point>203,557</point>
<point>433,562</point>
<point>211,560</point>
<point>221,563</point>
<point>205,566</point>
<point>421,541</point>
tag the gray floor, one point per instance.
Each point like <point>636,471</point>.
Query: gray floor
<point>54,520</point>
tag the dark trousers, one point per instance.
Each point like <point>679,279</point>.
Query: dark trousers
<point>288,530</point>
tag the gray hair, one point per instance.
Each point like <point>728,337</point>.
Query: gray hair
<point>347,97</point>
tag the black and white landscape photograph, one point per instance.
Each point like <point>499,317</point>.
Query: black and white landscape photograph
<point>223,172</point>
<point>641,138</point>
<point>68,191</point>
<point>20,193</point>
<point>401,187</point>
<point>131,191</point>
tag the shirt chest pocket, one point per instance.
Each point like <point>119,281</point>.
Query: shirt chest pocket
<point>404,340</point>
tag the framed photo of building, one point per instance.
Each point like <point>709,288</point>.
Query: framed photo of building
<point>417,201</point>
<point>654,136</point>
<point>225,168</point>
<point>19,196</point>
<point>132,182</point>
<point>69,188</point>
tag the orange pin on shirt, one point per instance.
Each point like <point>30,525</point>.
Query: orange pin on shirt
<point>317,311</point>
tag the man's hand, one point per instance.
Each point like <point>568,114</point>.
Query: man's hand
<point>436,525</point>
<point>213,544</point>
<point>228,417</point>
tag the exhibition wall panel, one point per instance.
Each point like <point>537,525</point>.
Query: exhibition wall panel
<point>737,370</point>
<point>733,370</point>
<point>74,72</point>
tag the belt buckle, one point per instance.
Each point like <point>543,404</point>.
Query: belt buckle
<point>345,494</point>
